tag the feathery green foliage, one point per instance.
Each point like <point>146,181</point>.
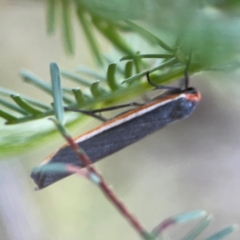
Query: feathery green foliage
<point>163,33</point>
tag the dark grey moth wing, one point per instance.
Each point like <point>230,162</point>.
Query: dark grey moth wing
<point>116,138</point>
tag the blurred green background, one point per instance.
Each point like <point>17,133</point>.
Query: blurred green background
<point>193,164</point>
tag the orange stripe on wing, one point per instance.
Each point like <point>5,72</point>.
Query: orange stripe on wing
<point>126,114</point>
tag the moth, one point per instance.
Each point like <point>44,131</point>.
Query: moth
<point>123,130</point>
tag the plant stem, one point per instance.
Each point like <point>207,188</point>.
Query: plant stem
<point>107,191</point>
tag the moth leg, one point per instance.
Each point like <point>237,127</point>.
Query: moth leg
<point>93,112</point>
<point>86,112</point>
<point>159,86</point>
<point>131,104</point>
<point>186,72</point>
<point>184,83</point>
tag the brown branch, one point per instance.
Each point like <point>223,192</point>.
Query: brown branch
<point>107,191</point>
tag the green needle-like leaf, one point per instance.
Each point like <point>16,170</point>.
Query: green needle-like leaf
<point>111,77</point>
<point>196,231</point>
<point>67,26</point>
<point>109,31</point>
<point>7,116</point>
<point>189,216</point>
<point>91,73</point>
<point>96,90</point>
<point>57,92</point>
<point>181,218</point>
<point>24,105</point>
<point>148,56</point>
<point>149,36</point>
<point>143,73</point>
<point>76,78</point>
<point>32,78</point>
<point>223,233</point>
<point>51,168</point>
<point>91,39</point>
<point>128,69</point>
<point>109,61</point>
<point>12,107</point>
<point>78,96</point>
<point>7,92</point>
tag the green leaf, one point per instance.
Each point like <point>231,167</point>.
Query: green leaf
<point>24,105</point>
<point>109,31</point>
<point>87,28</point>
<point>223,233</point>
<point>109,61</point>
<point>111,77</point>
<point>78,96</point>
<point>51,168</point>
<point>12,107</point>
<point>147,56</point>
<point>7,116</point>
<point>75,78</point>
<point>181,218</point>
<point>57,92</point>
<point>128,69</point>
<point>189,216</point>
<point>7,92</point>
<point>32,78</point>
<point>149,36</point>
<point>96,90</point>
<point>91,73</point>
<point>67,26</point>
<point>196,231</point>
<point>143,73</point>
